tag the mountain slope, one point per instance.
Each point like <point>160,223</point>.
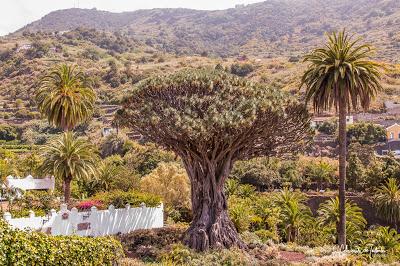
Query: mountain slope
<point>270,28</point>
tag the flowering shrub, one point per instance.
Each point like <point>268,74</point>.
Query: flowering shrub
<point>87,204</point>
<point>120,198</point>
<point>19,248</point>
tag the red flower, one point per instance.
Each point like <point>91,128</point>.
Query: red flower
<point>87,204</point>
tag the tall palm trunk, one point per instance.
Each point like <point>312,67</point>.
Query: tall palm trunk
<point>67,190</point>
<point>342,174</point>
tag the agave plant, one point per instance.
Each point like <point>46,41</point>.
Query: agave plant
<point>294,212</point>
<point>387,201</point>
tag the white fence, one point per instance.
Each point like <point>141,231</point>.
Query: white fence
<point>92,223</point>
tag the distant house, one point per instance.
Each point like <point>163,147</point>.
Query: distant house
<point>24,47</point>
<point>107,131</point>
<point>26,184</point>
<point>319,120</point>
<point>30,183</point>
<point>393,141</point>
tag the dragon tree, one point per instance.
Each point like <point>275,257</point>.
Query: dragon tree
<point>211,119</point>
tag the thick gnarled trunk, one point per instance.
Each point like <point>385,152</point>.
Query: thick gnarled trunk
<point>211,226</point>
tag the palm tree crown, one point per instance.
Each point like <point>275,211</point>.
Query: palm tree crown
<point>294,212</point>
<point>68,158</point>
<point>329,215</point>
<point>387,201</point>
<point>65,97</point>
<point>342,70</point>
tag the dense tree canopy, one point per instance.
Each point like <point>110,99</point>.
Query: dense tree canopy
<point>366,133</point>
<point>204,111</point>
<point>212,119</point>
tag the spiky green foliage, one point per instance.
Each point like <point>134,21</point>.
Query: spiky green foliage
<point>342,70</point>
<point>388,238</point>
<point>69,157</point>
<point>65,97</point>
<point>320,172</point>
<point>328,213</point>
<point>208,110</point>
<point>294,212</point>
<point>387,201</point>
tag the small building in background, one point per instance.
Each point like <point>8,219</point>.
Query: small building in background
<point>30,183</point>
<point>392,144</point>
<point>24,47</point>
<point>106,131</point>
<point>17,186</point>
<point>319,120</point>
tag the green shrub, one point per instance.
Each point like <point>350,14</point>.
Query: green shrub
<point>7,132</point>
<point>242,70</point>
<point>32,248</point>
<point>366,133</point>
<point>148,244</point>
<point>181,255</point>
<point>266,235</point>
<point>22,213</point>
<point>40,200</point>
<point>120,198</point>
<point>261,172</point>
<point>240,213</point>
<point>328,127</point>
<point>145,158</point>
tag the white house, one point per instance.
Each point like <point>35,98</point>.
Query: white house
<point>30,183</point>
<point>24,47</point>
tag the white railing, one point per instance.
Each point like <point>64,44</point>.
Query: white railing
<point>92,223</point>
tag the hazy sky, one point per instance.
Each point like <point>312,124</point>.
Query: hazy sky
<point>17,13</point>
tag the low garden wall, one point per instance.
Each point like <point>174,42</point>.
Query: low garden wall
<point>92,223</point>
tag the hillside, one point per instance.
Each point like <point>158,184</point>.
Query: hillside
<point>268,29</point>
<point>119,49</point>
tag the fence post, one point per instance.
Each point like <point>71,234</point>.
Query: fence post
<point>94,221</point>
<point>63,208</point>
<point>73,220</point>
<point>7,216</point>
<point>53,212</point>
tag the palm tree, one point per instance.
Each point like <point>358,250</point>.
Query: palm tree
<point>294,212</point>
<point>321,172</point>
<point>68,158</point>
<point>387,201</point>
<point>65,96</point>
<point>329,216</point>
<point>342,75</point>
